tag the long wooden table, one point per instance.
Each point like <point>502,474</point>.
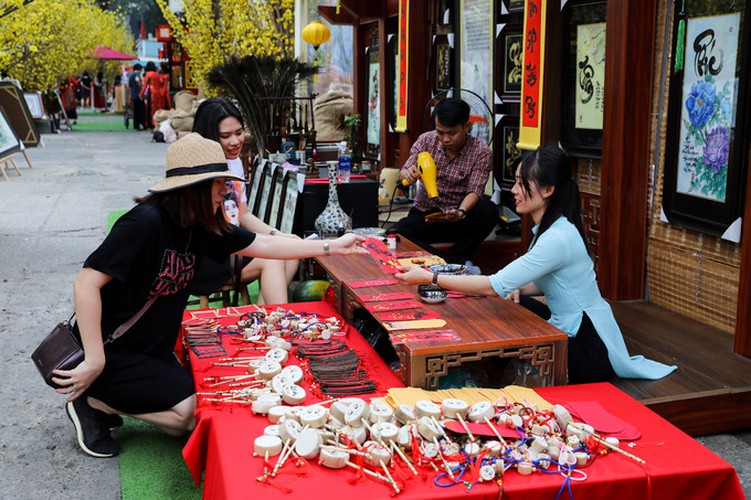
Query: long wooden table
<point>487,326</point>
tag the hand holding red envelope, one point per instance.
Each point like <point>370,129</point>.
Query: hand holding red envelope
<point>382,255</point>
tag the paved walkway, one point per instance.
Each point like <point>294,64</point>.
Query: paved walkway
<point>51,218</point>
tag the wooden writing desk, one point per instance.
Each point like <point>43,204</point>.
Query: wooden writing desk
<point>488,326</point>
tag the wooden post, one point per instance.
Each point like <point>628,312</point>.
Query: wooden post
<point>625,147</point>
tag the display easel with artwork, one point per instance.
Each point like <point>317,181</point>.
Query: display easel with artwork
<point>9,146</point>
<point>18,115</point>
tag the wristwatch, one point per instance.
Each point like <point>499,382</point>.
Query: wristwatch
<point>326,247</point>
<point>464,212</point>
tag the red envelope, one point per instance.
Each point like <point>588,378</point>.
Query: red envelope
<point>382,255</point>
<point>373,282</point>
<point>380,297</point>
<point>604,422</point>
<point>424,336</point>
<point>393,306</point>
<point>408,315</point>
<point>479,429</point>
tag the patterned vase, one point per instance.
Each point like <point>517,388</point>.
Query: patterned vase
<point>332,220</point>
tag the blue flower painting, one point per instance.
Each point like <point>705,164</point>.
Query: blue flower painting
<point>700,103</point>
<point>707,118</point>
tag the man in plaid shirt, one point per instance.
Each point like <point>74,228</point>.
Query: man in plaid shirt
<point>460,214</point>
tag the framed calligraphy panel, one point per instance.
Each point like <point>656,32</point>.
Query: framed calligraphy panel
<point>476,54</point>
<point>392,70</point>
<point>514,5</point>
<point>512,47</point>
<point>584,76</point>
<point>373,115</point>
<point>508,128</point>
<point>444,60</point>
<point>708,127</point>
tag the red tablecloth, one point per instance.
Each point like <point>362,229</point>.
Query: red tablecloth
<point>677,466</point>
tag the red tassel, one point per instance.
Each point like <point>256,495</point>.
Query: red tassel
<point>274,484</point>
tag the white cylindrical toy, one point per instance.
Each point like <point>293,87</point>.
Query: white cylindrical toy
<point>356,412</point>
<point>308,443</point>
<point>386,431</point>
<point>380,412</point>
<point>454,408</point>
<point>293,373</point>
<point>293,394</point>
<point>267,446</point>
<point>265,402</point>
<point>425,408</point>
<point>276,413</point>
<point>314,416</point>
<point>478,412</point>
<point>333,459</point>
<point>289,430</point>
<point>404,414</point>
<point>428,429</point>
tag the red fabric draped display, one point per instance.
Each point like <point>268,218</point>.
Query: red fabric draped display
<point>221,449</point>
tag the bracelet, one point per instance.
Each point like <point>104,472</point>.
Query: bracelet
<point>273,232</point>
<point>464,212</point>
<point>435,278</point>
<point>326,247</point>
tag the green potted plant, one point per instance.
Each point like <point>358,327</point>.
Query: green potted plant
<point>352,121</point>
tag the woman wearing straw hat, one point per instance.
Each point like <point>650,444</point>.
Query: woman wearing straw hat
<point>142,271</point>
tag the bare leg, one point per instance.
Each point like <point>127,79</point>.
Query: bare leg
<point>176,421</point>
<point>290,269</point>
<point>274,282</point>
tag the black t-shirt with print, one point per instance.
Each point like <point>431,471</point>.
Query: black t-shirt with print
<point>147,254</point>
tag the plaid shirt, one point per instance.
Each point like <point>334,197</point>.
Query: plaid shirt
<point>455,178</point>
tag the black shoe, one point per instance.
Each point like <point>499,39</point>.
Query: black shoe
<point>92,429</point>
<point>114,421</point>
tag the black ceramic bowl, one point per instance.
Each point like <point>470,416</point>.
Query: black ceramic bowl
<point>431,294</point>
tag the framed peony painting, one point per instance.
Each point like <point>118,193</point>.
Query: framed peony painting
<point>708,125</point>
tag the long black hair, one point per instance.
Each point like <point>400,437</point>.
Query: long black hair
<point>550,166</point>
<point>191,206</point>
<point>210,113</point>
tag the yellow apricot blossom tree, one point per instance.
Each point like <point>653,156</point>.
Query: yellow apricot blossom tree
<point>213,31</point>
<point>42,41</point>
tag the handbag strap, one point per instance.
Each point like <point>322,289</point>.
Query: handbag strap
<point>126,326</point>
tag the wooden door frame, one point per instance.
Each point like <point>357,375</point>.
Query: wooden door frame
<point>629,71</point>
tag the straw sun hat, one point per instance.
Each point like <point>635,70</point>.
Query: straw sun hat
<point>191,160</point>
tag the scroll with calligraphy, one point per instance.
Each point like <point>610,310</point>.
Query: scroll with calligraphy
<point>532,80</point>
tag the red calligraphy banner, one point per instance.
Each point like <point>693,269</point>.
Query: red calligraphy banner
<point>403,66</point>
<point>532,67</point>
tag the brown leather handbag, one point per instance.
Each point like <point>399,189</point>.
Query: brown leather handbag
<point>60,350</point>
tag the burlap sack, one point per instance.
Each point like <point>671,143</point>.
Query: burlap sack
<point>184,101</point>
<point>329,109</point>
<point>182,122</point>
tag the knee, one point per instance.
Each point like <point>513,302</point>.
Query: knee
<point>185,414</point>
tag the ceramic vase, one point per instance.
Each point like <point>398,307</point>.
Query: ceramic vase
<point>333,220</point>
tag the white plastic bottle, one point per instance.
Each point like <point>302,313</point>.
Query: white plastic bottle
<point>345,163</point>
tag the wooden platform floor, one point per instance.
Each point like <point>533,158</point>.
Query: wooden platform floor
<point>711,390</point>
